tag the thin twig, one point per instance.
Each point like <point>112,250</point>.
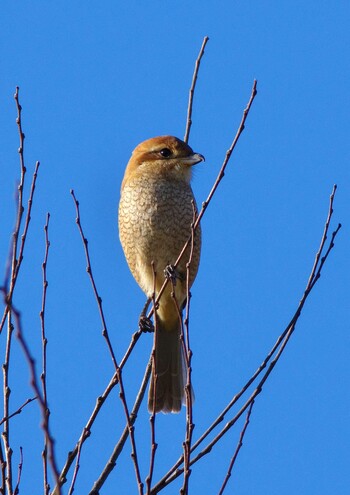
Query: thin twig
<point>220,176</point>
<point>17,261</point>
<point>86,432</point>
<point>44,346</point>
<point>324,236</point>
<point>6,394</point>
<point>18,411</point>
<point>314,275</point>
<point>278,348</point>
<point>77,464</point>
<point>36,387</point>
<point>120,445</point>
<point>8,288</point>
<point>193,86</point>
<point>18,257</point>
<point>238,448</point>
<point>20,465</point>
<point>3,471</point>
<point>92,280</point>
<point>152,418</point>
<point>109,344</point>
<point>8,292</point>
<point>188,359</point>
<point>20,208</point>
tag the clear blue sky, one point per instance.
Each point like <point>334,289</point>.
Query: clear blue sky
<point>96,78</point>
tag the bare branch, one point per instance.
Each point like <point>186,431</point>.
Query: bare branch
<point>35,385</point>
<point>92,280</point>
<point>17,260</point>
<point>276,351</point>
<point>185,338</point>
<point>193,86</point>
<point>6,394</point>
<point>109,344</point>
<point>18,411</point>
<point>43,346</point>
<point>152,418</point>
<point>119,447</point>
<point>238,448</point>
<point>215,186</point>
<point>20,465</point>
<point>99,403</point>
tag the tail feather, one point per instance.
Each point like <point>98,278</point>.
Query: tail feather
<point>166,391</point>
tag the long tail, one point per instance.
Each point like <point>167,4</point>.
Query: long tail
<point>168,373</point>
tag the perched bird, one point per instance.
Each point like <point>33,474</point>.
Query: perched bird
<point>156,211</point>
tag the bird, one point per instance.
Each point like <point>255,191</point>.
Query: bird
<point>155,217</point>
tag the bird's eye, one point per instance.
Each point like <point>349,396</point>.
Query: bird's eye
<point>165,152</point>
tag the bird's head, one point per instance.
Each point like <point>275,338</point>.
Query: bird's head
<point>166,156</point>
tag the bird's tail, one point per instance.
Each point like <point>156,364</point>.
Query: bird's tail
<point>166,391</point>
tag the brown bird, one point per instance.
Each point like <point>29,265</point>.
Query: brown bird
<point>155,217</point>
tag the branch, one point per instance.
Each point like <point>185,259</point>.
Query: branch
<point>17,261</point>
<point>119,447</point>
<point>20,465</point>
<point>193,86</point>
<point>152,418</point>
<point>238,448</point>
<point>6,395</point>
<point>220,176</point>
<point>277,350</point>
<point>44,345</point>
<point>35,385</point>
<point>18,411</point>
<point>99,403</point>
<point>185,338</point>
<point>109,344</point>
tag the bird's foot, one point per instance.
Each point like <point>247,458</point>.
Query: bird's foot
<point>145,324</point>
<point>171,273</point>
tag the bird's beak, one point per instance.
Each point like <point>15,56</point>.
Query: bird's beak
<point>193,159</point>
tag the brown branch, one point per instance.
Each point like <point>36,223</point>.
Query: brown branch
<point>18,411</point>
<point>278,348</point>
<point>17,262</point>
<point>44,346</point>
<point>324,236</point>
<point>109,344</point>
<point>193,86</point>
<point>20,465</point>
<point>11,275</point>
<point>238,448</point>
<point>185,334</point>
<point>3,471</point>
<point>6,395</point>
<point>120,445</point>
<point>92,280</point>
<point>86,432</point>
<point>220,176</point>
<point>20,208</point>
<point>152,418</point>
<point>35,385</point>
<point>77,464</point>
<point>17,259</point>
<point>8,295</point>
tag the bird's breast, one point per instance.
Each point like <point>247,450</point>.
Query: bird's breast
<point>155,218</point>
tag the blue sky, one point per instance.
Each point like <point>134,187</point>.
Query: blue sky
<point>96,79</point>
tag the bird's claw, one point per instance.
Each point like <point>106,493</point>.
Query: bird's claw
<point>146,324</point>
<point>171,273</point>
